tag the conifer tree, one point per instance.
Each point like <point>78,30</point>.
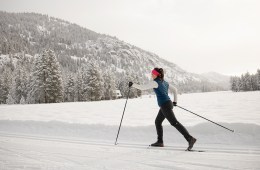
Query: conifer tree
<point>3,92</point>
<point>234,83</point>
<point>109,86</point>
<point>54,89</point>
<point>79,89</point>
<point>247,82</point>
<point>253,81</point>
<point>19,87</point>
<point>70,89</point>
<point>93,82</point>
<point>47,81</point>
<point>258,79</point>
<point>138,92</point>
<point>5,82</point>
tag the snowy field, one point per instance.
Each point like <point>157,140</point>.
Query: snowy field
<point>82,135</point>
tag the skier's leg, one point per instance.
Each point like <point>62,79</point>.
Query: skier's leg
<point>168,113</point>
<point>158,124</point>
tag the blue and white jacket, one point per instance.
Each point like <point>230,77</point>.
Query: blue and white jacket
<point>161,90</point>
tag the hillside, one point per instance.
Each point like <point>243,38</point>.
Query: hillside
<point>28,34</point>
<point>220,79</point>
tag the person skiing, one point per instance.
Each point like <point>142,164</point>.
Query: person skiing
<point>160,87</point>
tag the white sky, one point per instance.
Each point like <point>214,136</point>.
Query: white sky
<point>198,35</point>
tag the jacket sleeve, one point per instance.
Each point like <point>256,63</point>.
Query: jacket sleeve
<point>148,86</point>
<point>175,92</point>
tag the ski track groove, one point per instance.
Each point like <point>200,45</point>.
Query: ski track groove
<point>157,166</point>
<point>138,146</point>
<point>42,159</point>
<point>209,166</point>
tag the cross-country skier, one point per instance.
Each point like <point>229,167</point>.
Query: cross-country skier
<point>160,87</point>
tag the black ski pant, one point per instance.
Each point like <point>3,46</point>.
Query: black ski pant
<point>166,112</point>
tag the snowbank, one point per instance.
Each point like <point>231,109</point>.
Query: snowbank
<point>217,106</point>
<point>206,133</point>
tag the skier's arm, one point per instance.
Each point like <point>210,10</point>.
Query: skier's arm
<point>175,92</point>
<point>150,85</point>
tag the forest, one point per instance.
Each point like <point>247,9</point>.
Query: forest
<point>246,82</point>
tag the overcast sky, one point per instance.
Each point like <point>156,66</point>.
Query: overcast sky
<point>198,35</point>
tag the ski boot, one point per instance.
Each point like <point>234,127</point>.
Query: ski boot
<point>158,144</point>
<point>191,143</point>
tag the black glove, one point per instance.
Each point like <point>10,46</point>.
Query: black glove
<point>130,84</point>
<point>174,103</point>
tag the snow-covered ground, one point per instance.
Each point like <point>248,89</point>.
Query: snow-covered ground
<point>82,135</point>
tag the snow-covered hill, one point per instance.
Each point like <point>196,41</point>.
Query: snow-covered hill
<point>217,78</point>
<point>30,33</point>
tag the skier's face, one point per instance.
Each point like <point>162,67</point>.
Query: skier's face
<point>154,76</point>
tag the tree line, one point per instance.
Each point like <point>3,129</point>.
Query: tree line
<point>246,82</point>
<point>41,79</point>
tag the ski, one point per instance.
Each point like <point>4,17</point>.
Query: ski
<point>172,148</point>
<point>194,150</point>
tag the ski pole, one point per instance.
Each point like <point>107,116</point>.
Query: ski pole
<point>122,116</point>
<point>206,119</point>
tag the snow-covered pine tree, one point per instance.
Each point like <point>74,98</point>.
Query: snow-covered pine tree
<point>47,81</point>
<point>19,86</point>
<point>254,82</point>
<point>3,92</point>
<point>242,83</point>
<point>109,86</point>
<point>84,76</point>
<point>79,91</point>
<point>258,79</point>
<point>54,89</point>
<point>37,84</point>
<point>247,82</point>
<point>138,92</point>
<point>69,89</point>
<point>12,98</point>
<point>93,82</point>
<point>234,83</point>
<point>5,86</point>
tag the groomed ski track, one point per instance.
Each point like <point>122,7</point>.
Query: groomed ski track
<point>22,151</point>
